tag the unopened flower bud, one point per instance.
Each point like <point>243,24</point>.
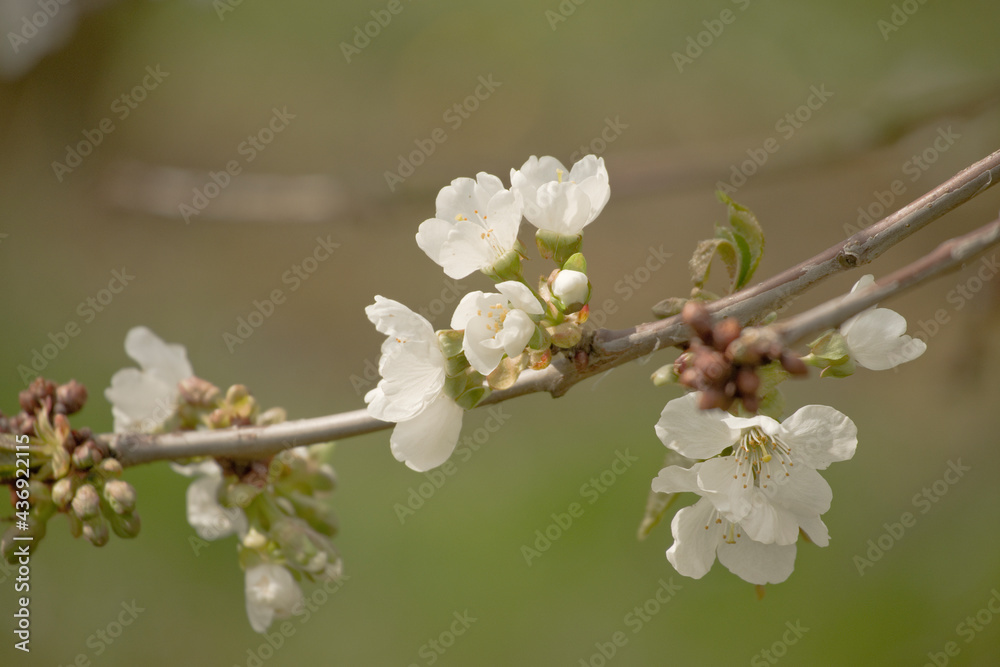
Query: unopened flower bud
<point>62,493</point>
<point>272,416</point>
<point>96,531</point>
<point>86,456</point>
<point>197,392</point>
<point>725,332</point>
<point>696,316</point>
<point>41,393</point>
<point>86,503</point>
<point>110,468</point>
<point>572,288</point>
<point>70,397</point>
<point>125,525</point>
<point>120,496</point>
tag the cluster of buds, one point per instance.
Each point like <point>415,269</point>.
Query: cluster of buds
<point>72,472</point>
<point>286,502</point>
<point>566,293</point>
<point>201,404</point>
<point>723,361</point>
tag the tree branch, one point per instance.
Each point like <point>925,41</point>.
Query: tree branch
<point>605,349</point>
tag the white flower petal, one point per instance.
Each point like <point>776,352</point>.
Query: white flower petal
<point>802,491</point>
<point>768,523</point>
<point>396,320</point>
<point>516,333</point>
<point>675,479</point>
<point>817,531</point>
<point>877,339</point>
<point>758,563</point>
<point>571,287</point>
<point>696,539</point>
<point>481,348</point>
<point>167,361</point>
<point>427,440</point>
<point>271,592</point>
<point>694,433</point>
<point>564,208</point>
<point>819,435</point>
<point>208,518</point>
<point>520,297</point>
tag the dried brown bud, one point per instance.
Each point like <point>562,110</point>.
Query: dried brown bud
<point>70,397</point>
<point>198,392</point>
<point>41,393</point>
<point>725,332</point>
<point>793,363</point>
<point>696,316</point>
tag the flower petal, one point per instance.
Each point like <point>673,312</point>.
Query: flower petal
<point>427,440</point>
<point>516,333</point>
<point>819,435</point>
<point>694,433</point>
<point>696,537</point>
<point>208,518</point>
<point>271,592</point>
<point>877,339</point>
<point>758,563</point>
<point>520,297</point>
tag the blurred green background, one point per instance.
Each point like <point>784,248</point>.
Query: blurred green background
<point>561,83</point>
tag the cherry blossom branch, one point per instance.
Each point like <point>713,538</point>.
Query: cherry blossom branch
<point>605,349</point>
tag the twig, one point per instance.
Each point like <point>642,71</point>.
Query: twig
<point>607,349</point>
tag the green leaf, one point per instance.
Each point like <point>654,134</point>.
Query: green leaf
<point>669,306</point>
<point>746,227</point>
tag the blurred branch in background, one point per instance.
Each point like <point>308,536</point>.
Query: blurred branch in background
<point>605,349</point>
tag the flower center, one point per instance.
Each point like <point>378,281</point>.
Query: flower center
<point>495,315</point>
<point>761,459</point>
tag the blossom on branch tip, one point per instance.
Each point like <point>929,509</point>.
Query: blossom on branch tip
<point>411,391</point>
<point>271,593</point>
<point>210,520</point>
<point>769,483</point>
<point>143,399</point>
<point>496,324</point>
<point>474,228</point>
<point>558,199</point>
<point>877,337</point>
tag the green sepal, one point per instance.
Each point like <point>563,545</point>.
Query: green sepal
<point>831,353</point>
<point>507,267</point>
<point>556,246</point>
<point>576,262</point>
<point>507,371</point>
<point>472,397</point>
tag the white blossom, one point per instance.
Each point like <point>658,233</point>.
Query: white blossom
<point>877,337</point>
<point>769,484</point>
<point>475,225</point>
<point>271,593</point>
<point>143,398</point>
<point>411,391</point>
<point>558,199</point>
<point>495,324</point>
